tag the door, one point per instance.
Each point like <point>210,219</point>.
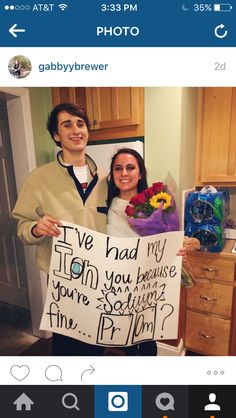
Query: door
<point>13,283</point>
<point>216,135</point>
<point>17,102</point>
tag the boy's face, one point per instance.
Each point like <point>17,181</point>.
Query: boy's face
<point>72,132</point>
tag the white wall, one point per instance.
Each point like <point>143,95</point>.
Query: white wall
<point>170,137</point>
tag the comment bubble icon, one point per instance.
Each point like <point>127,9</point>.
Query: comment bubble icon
<point>53,373</point>
<point>165,401</point>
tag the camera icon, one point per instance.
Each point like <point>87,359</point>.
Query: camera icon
<point>117,401</point>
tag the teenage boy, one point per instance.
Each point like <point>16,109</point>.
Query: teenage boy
<point>72,189</point>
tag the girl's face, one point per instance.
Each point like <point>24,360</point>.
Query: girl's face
<point>126,175</point>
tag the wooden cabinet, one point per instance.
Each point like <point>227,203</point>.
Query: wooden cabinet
<point>216,136</point>
<point>210,321</point>
<point>114,112</point>
<point>112,106</point>
<point>207,334</point>
<point>68,95</point>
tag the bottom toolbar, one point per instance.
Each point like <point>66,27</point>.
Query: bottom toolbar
<point>129,401</point>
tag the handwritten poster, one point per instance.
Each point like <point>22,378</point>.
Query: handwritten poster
<point>113,291</point>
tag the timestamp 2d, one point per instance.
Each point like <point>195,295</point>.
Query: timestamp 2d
<point>118,7</point>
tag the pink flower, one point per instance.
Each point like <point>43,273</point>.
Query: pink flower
<point>139,199</point>
<point>157,187</point>
<point>149,192</point>
<point>129,210</point>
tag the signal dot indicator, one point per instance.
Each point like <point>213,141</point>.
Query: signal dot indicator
<point>6,7</point>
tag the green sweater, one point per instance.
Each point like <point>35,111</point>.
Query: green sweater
<point>54,190</point>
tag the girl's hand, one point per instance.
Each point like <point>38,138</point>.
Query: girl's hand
<point>183,253</point>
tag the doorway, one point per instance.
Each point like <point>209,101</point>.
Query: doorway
<point>20,284</point>
<point>13,283</point>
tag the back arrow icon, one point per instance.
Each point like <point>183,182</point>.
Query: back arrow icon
<point>13,30</point>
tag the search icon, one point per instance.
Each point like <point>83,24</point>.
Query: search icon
<point>69,405</point>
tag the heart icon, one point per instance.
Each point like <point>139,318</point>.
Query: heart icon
<point>19,372</point>
<point>165,401</point>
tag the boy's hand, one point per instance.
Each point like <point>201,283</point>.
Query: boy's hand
<point>47,226</point>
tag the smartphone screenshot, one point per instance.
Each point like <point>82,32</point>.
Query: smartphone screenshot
<point>117,209</point>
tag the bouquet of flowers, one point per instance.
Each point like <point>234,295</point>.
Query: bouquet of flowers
<point>153,211</point>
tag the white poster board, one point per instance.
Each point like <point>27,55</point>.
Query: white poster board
<point>113,291</point>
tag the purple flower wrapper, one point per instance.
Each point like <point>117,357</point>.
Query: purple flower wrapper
<point>157,223</point>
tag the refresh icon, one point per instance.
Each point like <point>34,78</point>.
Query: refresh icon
<point>220,31</point>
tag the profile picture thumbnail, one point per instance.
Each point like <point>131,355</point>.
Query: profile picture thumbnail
<point>19,66</point>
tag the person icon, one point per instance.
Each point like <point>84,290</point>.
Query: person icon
<point>212,406</point>
<point>16,68</point>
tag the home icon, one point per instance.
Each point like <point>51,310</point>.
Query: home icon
<point>23,402</point>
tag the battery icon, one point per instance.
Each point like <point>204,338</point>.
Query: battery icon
<point>222,7</point>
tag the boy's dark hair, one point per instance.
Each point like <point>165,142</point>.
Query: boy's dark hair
<point>113,191</point>
<point>72,109</point>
